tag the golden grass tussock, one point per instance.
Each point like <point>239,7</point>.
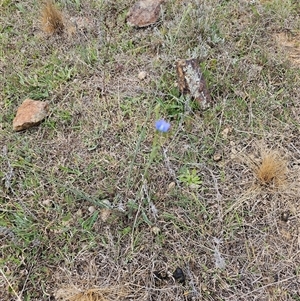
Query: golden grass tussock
<point>93,294</point>
<point>272,170</point>
<point>90,295</point>
<point>51,18</point>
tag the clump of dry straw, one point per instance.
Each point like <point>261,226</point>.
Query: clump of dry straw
<point>51,18</point>
<point>272,170</point>
<point>93,294</point>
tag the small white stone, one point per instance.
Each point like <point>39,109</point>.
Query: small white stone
<point>47,202</point>
<point>91,209</point>
<point>142,75</point>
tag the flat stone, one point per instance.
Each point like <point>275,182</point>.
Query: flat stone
<point>144,13</point>
<point>30,113</point>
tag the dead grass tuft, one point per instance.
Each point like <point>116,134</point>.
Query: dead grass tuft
<point>94,294</point>
<point>51,19</point>
<point>272,170</point>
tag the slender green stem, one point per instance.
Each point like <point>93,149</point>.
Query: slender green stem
<point>153,154</point>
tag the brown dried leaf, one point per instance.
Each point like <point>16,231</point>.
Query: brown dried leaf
<point>192,82</point>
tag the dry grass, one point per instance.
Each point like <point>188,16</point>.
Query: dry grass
<point>51,18</point>
<point>76,209</point>
<point>290,45</point>
<point>93,294</point>
<point>272,170</point>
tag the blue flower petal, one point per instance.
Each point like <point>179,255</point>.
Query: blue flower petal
<point>162,126</point>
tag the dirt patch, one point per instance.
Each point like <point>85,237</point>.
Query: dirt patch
<point>290,44</point>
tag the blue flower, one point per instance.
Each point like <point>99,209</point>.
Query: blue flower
<point>162,126</point>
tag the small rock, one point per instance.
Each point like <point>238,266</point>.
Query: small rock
<point>29,114</point>
<point>92,209</point>
<point>285,216</point>
<point>142,75</point>
<point>217,157</point>
<point>179,275</point>
<point>155,230</point>
<point>144,13</point>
